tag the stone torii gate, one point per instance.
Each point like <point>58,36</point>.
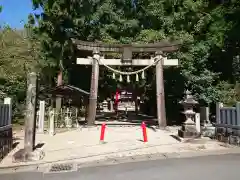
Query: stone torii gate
<point>126,50</point>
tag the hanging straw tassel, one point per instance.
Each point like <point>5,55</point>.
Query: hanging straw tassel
<point>114,76</point>
<point>128,78</point>
<point>120,78</point>
<point>137,78</point>
<point>143,75</point>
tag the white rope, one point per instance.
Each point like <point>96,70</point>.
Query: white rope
<point>127,73</point>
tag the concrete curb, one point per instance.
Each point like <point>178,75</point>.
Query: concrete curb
<point>43,167</point>
<point>158,156</point>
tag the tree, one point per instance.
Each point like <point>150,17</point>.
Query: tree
<point>55,27</point>
<point>200,26</point>
<point>16,59</point>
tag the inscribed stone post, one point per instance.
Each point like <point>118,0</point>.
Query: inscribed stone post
<point>30,113</point>
<point>58,100</point>
<point>197,122</point>
<point>51,122</point>
<point>27,154</point>
<point>41,117</point>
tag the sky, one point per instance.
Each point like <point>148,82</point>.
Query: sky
<point>15,12</point>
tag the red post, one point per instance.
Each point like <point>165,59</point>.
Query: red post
<point>103,127</point>
<point>144,130</point>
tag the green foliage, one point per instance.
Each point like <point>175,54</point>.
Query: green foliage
<point>230,94</point>
<point>16,60</point>
<point>208,31</point>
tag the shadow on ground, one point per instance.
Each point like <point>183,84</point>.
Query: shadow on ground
<point>39,146</point>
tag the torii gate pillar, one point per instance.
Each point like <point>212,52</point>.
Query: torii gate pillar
<point>93,89</point>
<point>161,111</point>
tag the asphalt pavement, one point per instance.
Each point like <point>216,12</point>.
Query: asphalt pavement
<point>220,167</point>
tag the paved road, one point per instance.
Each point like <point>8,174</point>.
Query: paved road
<point>220,167</point>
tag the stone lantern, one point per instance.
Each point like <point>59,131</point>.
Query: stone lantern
<point>188,129</point>
<point>105,106</point>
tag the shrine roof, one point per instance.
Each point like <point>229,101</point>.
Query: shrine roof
<point>64,90</point>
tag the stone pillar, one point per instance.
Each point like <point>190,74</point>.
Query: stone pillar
<point>76,116</point>
<point>58,100</point>
<point>161,111</point>
<point>27,154</point>
<point>41,117</point>
<point>30,113</point>
<point>51,122</point>
<point>9,102</point>
<point>111,106</point>
<point>197,122</point>
<point>204,115</point>
<point>68,119</point>
<point>94,89</point>
<point>218,107</point>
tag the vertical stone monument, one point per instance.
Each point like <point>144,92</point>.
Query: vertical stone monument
<point>41,117</point>
<point>28,153</point>
<point>52,122</point>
